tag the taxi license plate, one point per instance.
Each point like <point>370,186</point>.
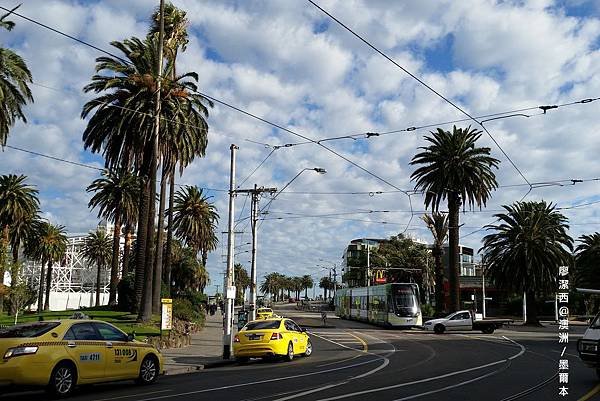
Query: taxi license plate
<point>254,337</point>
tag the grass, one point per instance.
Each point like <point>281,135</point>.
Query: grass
<point>123,320</point>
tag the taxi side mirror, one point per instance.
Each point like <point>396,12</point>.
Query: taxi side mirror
<point>130,337</point>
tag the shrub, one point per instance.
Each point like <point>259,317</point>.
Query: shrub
<point>427,310</point>
<point>184,310</point>
<point>196,298</point>
<point>126,291</point>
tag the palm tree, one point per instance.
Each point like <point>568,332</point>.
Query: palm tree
<point>272,284</point>
<point>48,244</point>
<point>453,168</point>
<point>307,282</point>
<point>97,249</point>
<point>195,220</point>
<point>326,284</point>
<point>19,205</point>
<point>587,260</point>
<point>14,89</point>
<point>242,282</point>
<point>117,197</point>
<point>437,223</point>
<point>525,250</point>
<point>121,127</point>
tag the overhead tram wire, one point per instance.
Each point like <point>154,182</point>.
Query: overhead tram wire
<point>257,167</point>
<point>424,84</point>
<point>229,106</point>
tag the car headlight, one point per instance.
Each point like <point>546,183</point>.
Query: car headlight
<point>16,351</point>
<point>588,347</point>
<point>427,323</point>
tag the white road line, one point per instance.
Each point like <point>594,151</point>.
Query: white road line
<point>132,395</point>
<point>458,372</point>
<point>207,390</point>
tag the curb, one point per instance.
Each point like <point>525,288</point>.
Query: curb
<point>179,369</point>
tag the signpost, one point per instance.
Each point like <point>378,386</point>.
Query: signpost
<point>166,314</point>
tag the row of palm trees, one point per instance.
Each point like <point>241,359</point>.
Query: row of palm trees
<point>277,284</point>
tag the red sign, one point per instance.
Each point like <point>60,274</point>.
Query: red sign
<point>380,277</point>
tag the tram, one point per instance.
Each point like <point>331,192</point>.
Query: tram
<point>394,304</point>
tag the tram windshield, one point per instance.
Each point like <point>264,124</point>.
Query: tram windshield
<point>405,300</point>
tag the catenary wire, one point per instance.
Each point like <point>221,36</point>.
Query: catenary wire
<point>422,83</point>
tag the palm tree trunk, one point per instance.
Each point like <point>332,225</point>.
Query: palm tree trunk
<point>127,249</point>
<point>141,242</point>
<point>158,265</point>
<point>204,257</point>
<point>114,267</point>
<point>439,281</point>
<point>170,229</point>
<point>15,255</point>
<point>98,265</point>
<point>145,313</point>
<point>453,233</point>
<point>3,259</point>
<point>306,292</point>
<point>41,287</point>
<point>532,312</point>
<point>48,285</point>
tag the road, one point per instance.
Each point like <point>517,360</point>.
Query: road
<point>356,361</point>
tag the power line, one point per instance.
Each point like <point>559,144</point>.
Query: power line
<point>280,127</point>
<point>422,83</point>
<point>257,167</point>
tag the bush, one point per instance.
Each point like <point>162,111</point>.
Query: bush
<point>126,292</point>
<point>196,298</point>
<point>184,310</point>
<point>427,310</point>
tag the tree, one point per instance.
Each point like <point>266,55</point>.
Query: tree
<point>48,244</point>
<point>327,285</point>
<point>453,168</point>
<point>188,273</point>
<point>195,220</point>
<point>117,197</point>
<point>307,282</point>
<point>437,223</point>
<point>121,128</point>
<point>272,283</point>
<point>525,249</point>
<point>242,282</point>
<point>14,89</point>
<point>587,265</point>
<point>18,206</point>
<point>97,249</point>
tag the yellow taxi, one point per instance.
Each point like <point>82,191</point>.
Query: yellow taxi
<point>60,355</point>
<point>271,338</point>
<point>264,313</point>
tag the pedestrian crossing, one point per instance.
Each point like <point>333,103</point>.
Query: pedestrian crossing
<point>342,338</point>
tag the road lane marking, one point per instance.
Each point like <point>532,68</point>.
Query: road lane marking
<point>590,394</point>
<point>276,379</point>
<point>133,395</point>
<point>458,372</point>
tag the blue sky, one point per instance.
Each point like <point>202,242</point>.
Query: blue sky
<point>286,62</point>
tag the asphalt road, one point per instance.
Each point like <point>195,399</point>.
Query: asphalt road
<point>355,361</point>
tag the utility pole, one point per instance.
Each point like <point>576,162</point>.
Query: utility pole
<point>255,193</point>
<point>228,288</point>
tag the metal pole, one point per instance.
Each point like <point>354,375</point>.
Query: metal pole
<point>368,271</point>
<point>483,291</point>
<point>524,307</point>
<point>254,218</point>
<point>229,279</point>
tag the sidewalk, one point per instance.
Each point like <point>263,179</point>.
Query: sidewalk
<point>205,351</point>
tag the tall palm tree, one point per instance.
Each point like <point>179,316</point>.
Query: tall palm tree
<point>48,244</point>
<point>14,89</point>
<point>195,220</point>
<point>97,249</point>
<point>587,261</point>
<point>121,126</point>
<point>117,197</point>
<point>19,204</point>
<point>453,168</point>
<point>242,282</point>
<point>437,223</point>
<point>525,249</point>
<point>307,282</point>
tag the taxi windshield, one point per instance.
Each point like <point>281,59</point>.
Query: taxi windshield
<point>264,325</point>
<point>27,330</point>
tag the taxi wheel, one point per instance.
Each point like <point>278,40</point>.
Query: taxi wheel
<point>62,380</point>
<point>290,353</point>
<point>439,329</point>
<point>309,349</point>
<point>148,371</point>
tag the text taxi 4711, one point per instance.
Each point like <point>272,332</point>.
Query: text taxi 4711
<point>62,354</point>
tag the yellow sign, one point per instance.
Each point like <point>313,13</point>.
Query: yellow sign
<point>380,276</point>
<point>166,315</point>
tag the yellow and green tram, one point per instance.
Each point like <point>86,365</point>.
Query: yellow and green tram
<point>395,304</point>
